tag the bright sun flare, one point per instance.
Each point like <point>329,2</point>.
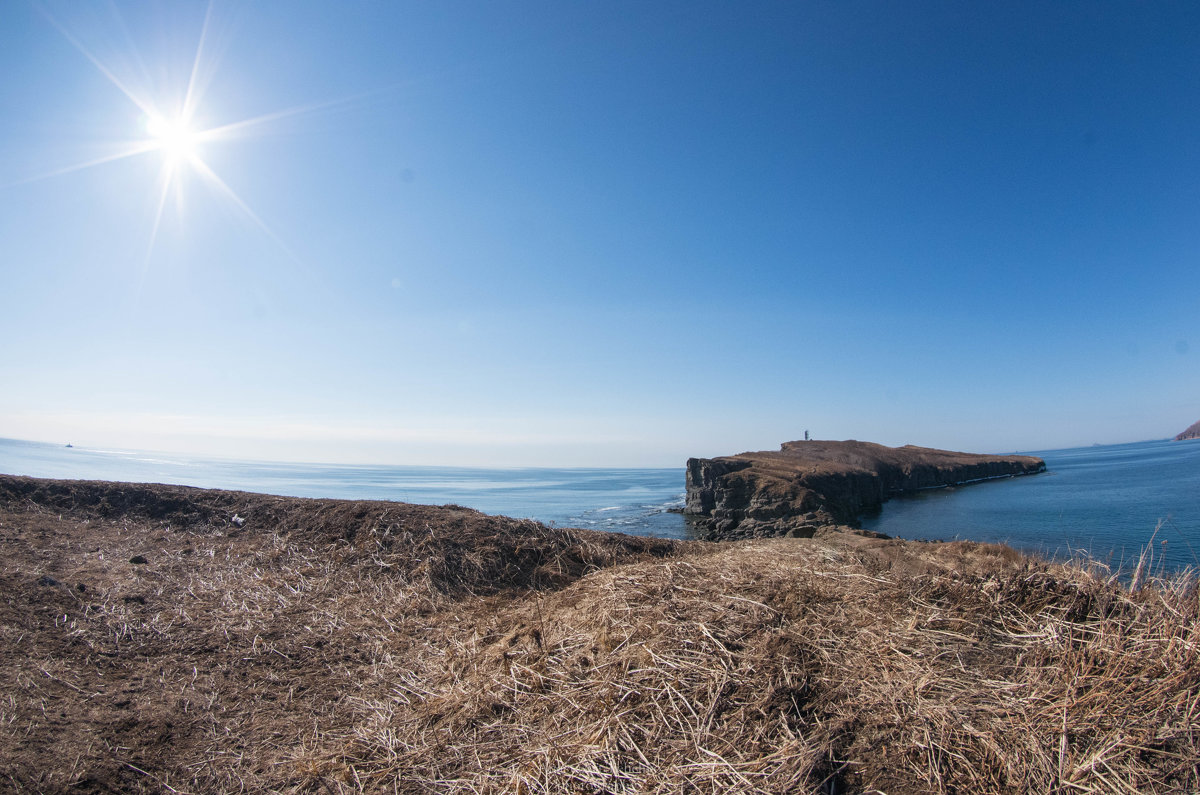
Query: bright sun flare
<point>174,138</point>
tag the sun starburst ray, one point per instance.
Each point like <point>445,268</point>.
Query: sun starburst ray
<point>131,49</point>
<point>145,105</point>
<point>194,92</point>
<point>239,128</point>
<point>208,174</point>
<point>164,179</point>
<point>131,150</point>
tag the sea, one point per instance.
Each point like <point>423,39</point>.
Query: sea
<point>1107,502</point>
<point>635,501</point>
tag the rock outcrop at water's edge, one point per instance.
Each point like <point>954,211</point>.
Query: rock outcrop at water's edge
<point>808,487</point>
<point>1193,432</point>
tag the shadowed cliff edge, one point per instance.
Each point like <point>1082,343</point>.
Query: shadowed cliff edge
<point>811,487</point>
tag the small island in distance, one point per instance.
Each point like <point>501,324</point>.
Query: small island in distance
<point>1193,432</point>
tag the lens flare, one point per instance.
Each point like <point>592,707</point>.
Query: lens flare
<point>169,128</point>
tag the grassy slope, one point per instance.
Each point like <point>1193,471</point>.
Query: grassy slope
<point>330,646</point>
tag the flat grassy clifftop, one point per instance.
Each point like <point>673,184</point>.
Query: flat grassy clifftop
<point>810,487</point>
<point>159,638</point>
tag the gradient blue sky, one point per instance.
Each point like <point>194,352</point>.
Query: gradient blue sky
<point>601,233</point>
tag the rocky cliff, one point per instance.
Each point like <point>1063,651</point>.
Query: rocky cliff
<point>811,486</point>
<point>1193,432</point>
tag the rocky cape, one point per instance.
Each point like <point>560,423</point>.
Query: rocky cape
<point>811,487</point>
<point>1193,432</point>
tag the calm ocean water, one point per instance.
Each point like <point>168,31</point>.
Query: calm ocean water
<point>1108,501</point>
<point>622,500</point>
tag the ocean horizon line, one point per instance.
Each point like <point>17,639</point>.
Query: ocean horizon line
<point>257,460</point>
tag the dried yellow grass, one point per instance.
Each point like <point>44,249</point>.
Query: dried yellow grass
<point>782,667</point>
<point>366,647</point>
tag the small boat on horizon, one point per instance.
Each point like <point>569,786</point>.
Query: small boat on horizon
<point>70,445</point>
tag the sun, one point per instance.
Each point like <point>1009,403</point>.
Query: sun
<point>167,126</point>
<point>175,138</point>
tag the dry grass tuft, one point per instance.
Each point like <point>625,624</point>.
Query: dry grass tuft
<point>332,647</point>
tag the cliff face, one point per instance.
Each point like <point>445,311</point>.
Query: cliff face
<point>807,487</point>
<point>1193,432</point>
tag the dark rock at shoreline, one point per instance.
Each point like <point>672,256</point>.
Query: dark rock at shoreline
<point>1193,432</point>
<point>810,487</point>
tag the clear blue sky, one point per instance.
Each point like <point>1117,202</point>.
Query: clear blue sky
<point>598,233</point>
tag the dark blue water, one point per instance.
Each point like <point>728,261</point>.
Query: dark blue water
<point>1108,502</point>
<point>637,501</point>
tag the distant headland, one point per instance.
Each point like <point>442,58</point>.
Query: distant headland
<point>809,487</point>
<point>1193,432</point>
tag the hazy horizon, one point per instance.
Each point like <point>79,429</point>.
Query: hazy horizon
<point>350,462</point>
<point>545,234</point>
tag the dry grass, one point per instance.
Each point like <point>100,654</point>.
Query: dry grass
<point>334,647</point>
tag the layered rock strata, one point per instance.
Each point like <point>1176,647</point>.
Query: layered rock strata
<point>809,487</point>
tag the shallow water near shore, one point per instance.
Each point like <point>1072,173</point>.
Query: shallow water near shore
<point>1106,501</point>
